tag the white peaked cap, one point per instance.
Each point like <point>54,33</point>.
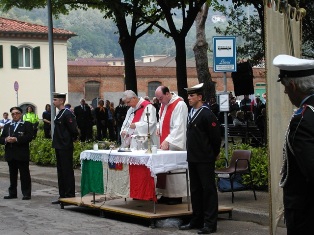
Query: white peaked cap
<point>291,66</point>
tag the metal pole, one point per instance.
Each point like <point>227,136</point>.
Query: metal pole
<point>17,98</point>
<point>226,119</point>
<point>51,64</point>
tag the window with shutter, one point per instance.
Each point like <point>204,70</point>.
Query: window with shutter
<point>14,57</point>
<point>25,57</point>
<point>36,58</point>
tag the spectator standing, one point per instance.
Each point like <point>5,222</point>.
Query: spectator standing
<point>258,106</point>
<point>245,104</point>
<point>32,117</point>
<point>110,123</point>
<point>120,113</point>
<point>156,104</point>
<point>65,132</point>
<point>101,114</point>
<point>297,77</point>
<point>214,107</point>
<point>234,107</point>
<point>16,137</point>
<point>203,147</point>
<point>261,123</point>
<point>5,120</point>
<point>47,121</point>
<point>84,120</point>
<point>172,133</point>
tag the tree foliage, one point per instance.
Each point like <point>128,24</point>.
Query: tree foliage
<point>307,21</point>
<point>248,31</point>
<point>138,10</point>
<point>189,10</point>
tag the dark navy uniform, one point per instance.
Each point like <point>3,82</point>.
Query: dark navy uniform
<point>203,146</point>
<point>17,155</point>
<point>299,186</point>
<point>65,133</point>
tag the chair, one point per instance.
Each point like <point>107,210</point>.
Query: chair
<point>239,165</point>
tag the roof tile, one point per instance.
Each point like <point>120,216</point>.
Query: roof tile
<point>15,26</point>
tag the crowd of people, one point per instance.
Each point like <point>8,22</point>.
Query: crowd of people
<point>173,127</point>
<point>244,112</point>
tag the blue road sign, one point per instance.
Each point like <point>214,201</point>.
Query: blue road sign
<point>225,55</point>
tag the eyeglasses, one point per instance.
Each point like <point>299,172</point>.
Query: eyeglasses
<point>15,113</point>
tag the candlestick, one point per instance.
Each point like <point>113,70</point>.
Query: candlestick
<point>149,146</point>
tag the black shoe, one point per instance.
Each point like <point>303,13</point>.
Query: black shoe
<point>26,198</point>
<point>188,226</point>
<point>10,197</point>
<point>174,201</point>
<point>55,202</point>
<point>207,230</point>
<point>163,200</point>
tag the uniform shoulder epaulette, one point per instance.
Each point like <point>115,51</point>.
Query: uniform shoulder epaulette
<point>307,106</point>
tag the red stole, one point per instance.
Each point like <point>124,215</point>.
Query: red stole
<point>138,113</point>
<point>166,122</point>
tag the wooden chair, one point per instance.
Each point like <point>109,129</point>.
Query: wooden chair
<point>239,165</point>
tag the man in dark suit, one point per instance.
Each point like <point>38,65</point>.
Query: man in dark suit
<point>297,76</point>
<point>203,147</point>
<point>16,137</point>
<point>84,120</point>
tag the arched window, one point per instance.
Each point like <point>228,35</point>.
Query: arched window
<point>91,90</point>
<point>152,86</point>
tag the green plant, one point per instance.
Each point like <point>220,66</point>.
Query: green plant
<point>1,152</point>
<point>258,163</point>
<point>42,153</point>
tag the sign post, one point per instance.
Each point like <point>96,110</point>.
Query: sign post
<point>225,60</point>
<point>16,88</point>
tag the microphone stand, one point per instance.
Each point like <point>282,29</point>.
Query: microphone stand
<point>149,145</point>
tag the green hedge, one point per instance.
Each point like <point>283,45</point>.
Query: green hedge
<point>259,164</point>
<point>43,154</point>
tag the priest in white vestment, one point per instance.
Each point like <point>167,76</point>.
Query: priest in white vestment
<point>172,132</point>
<point>135,122</point>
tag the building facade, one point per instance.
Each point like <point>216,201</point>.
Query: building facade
<point>24,64</point>
<point>107,82</point>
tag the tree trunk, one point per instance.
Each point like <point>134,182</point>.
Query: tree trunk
<point>181,66</point>
<point>200,52</point>
<point>130,80</point>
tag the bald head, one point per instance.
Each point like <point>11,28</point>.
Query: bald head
<point>163,94</point>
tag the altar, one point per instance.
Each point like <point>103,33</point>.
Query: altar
<point>125,176</point>
<point>128,174</point>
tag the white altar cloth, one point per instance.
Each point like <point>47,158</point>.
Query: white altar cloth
<point>162,162</point>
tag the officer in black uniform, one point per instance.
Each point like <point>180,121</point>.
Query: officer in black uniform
<point>16,137</point>
<point>297,76</point>
<point>65,132</point>
<point>203,147</point>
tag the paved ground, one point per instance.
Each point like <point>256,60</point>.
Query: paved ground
<point>38,216</point>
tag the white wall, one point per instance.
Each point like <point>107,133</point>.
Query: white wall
<point>34,84</point>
